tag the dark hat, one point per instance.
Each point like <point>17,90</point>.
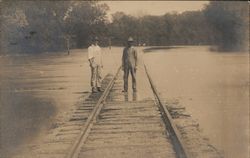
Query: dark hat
<point>130,39</point>
<point>95,39</point>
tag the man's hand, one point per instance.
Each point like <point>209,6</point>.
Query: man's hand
<point>135,69</point>
<point>92,63</point>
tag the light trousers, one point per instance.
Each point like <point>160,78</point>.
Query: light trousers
<point>96,77</point>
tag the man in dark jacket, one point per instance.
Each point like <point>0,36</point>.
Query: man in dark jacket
<point>129,64</point>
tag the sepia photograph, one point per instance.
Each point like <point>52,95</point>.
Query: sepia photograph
<point>124,79</point>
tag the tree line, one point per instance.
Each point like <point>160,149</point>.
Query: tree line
<point>44,26</point>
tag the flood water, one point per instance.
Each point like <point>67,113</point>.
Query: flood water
<point>37,90</point>
<point>215,89</point>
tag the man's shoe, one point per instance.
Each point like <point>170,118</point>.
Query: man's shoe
<point>99,89</point>
<point>94,90</point>
<point>124,91</point>
<point>134,90</point>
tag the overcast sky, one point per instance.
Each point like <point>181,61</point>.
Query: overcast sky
<point>153,7</point>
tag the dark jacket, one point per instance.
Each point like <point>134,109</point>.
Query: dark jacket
<point>129,57</point>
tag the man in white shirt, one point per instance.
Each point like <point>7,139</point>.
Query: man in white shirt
<point>95,61</point>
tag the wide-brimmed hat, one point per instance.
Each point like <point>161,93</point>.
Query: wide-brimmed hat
<point>130,39</point>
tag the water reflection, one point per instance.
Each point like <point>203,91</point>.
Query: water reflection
<point>213,86</point>
<point>33,89</point>
<point>130,96</point>
<point>126,96</point>
<point>134,96</point>
<point>23,116</point>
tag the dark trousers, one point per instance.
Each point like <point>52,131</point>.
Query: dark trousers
<point>125,77</point>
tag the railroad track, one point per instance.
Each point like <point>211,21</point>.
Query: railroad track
<point>125,129</point>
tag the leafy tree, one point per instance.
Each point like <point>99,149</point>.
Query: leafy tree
<point>230,23</point>
<point>170,29</point>
<point>40,26</point>
<point>122,27</point>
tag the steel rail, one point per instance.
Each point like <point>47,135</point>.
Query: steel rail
<point>175,136</point>
<point>75,150</point>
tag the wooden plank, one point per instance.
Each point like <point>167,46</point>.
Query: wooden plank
<point>74,151</point>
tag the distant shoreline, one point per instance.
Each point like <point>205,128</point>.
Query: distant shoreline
<point>212,48</point>
<point>152,48</point>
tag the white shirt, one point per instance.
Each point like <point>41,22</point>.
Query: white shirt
<point>94,51</point>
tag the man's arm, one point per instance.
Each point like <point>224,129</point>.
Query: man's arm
<point>136,58</point>
<point>91,62</point>
<point>90,56</point>
<point>123,58</point>
<point>101,52</point>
